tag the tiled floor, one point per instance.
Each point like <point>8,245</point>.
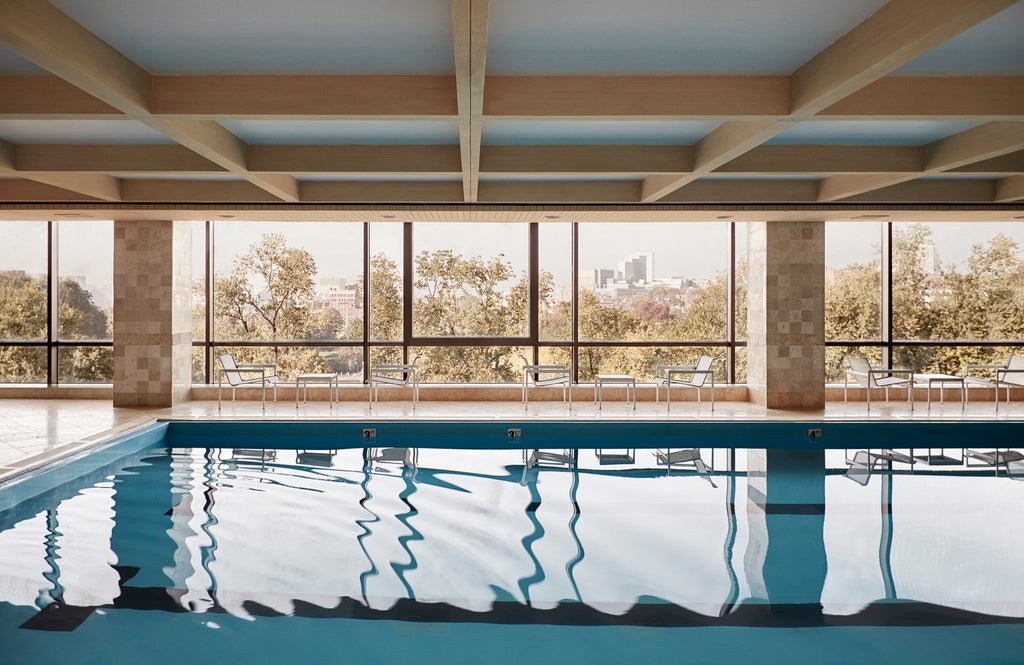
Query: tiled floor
<point>34,431</point>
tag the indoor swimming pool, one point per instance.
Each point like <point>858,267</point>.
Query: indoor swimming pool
<point>520,541</point>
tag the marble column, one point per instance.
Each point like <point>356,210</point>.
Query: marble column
<point>786,314</point>
<point>152,312</point>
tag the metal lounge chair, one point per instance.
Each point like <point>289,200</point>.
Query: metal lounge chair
<point>1008,375</point>
<point>869,377</point>
<point>687,376</point>
<point>234,374</point>
<point>397,374</point>
<point>541,376</point>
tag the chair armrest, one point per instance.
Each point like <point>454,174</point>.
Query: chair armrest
<point>891,371</point>
<point>688,371</point>
<point>257,366</point>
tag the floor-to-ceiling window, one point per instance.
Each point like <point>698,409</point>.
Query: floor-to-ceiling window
<point>56,302</point>
<point>468,299</point>
<point>932,297</point>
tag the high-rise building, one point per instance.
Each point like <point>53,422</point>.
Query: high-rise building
<point>638,268</point>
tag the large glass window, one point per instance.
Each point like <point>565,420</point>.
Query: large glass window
<point>289,283</point>
<point>653,282</point>
<point>386,282</point>
<point>23,301</point>
<point>956,282</point>
<point>470,288</point>
<point>85,258</point>
<point>853,290</point>
<point>470,280</point>
<point>555,288</point>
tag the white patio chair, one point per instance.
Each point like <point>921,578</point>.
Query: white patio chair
<point>687,376</point>
<point>869,377</point>
<point>1008,375</point>
<point>541,376</point>
<point>234,373</point>
<point>395,374</point>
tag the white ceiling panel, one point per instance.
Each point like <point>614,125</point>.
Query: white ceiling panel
<point>344,132</point>
<point>298,36</point>
<point>99,132</point>
<point>594,132</point>
<point>659,37</point>
<point>992,48</point>
<point>893,132</point>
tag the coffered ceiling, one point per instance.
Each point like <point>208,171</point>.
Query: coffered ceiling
<point>138,104</point>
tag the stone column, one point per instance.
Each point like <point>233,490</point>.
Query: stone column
<point>786,314</point>
<point>152,312</point>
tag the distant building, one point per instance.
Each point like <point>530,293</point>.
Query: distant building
<point>638,268</point>
<point>598,278</point>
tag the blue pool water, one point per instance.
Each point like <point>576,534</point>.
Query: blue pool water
<point>366,543</point>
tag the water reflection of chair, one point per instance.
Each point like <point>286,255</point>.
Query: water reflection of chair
<point>865,462</point>
<point>1011,460</point>
<point>254,454</point>
<point>623,456</point>
<point>324,458</point>
<point>563,457</point>
<point>407,457</point>
<point>685,457</point>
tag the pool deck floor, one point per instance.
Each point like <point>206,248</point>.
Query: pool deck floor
<point>36,431</point>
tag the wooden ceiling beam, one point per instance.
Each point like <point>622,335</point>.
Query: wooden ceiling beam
<point>635,97</point>
<point>523,98</point>
<point>363,159</point>
<point>893,36</point>
<point>391,191</point>
<point>582,159</point>
<point>19,190</point>
<point>112,159</point>
<point>307,97</point>
<point>978,98</point>
<point>826,159</point>
<point>1010,189</point>
<point>897,33</point>
<point>469,32</point>
<point>51,39</point>
<point>95,185</point>
<point>536,191</point>
<point>50,97</point>
<point>977,144</point>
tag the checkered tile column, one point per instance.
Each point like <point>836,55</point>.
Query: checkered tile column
<point>786,314</point>
<point>152,312</point>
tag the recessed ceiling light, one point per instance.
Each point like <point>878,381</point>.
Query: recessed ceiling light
<point>226,216</point>
<point>69,214</point>
<point>552,217</point>
<point>724,217</point>
<point>388,216</point>
<point>1019,217</point>
<point>871,217</point>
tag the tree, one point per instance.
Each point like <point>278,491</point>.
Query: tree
<point>23,317</point>
<point>268,296</point>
